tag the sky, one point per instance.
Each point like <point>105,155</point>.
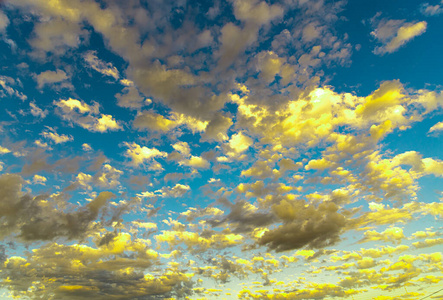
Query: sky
<point>226,149</point>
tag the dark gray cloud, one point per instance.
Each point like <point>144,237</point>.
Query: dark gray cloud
<point>313,227</point>
<point>34,218</point>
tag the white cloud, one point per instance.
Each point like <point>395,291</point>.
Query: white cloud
<point>139,155</point>
<point>55,137</point>
<point>100,66</point>
<point>86,116</point>
<point>393,34</point>
<point>436,128</point>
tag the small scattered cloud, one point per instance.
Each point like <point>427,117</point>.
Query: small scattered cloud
<point>100,66</point>
<point>57,78</point>
<point>142,154</point>
<point>51,134</point>
<point>431,10</point>
<point>37,111</point>
<point>394,34</point>
<point>9,88</point>
<point>437,128</point>
<point>86,116</point>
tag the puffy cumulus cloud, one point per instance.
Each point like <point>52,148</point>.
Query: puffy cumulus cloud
<point>313,291</point>
<point>107,178</point>
<point>156,122</point>
<point>195,162</point>
<point>420,166</point>
<point>193,213</point>
<point>372,253</point>
<point>386,179</point>
<point>255,11</point>
<point>386,103</point>
<point>260,169</point>
<point>197,242</point>
<point>131,98</point>
<point>175,192</point>
<point>285,134</point>
<point>392,234</point>
<point>315,117</point>
<point>393,34</point>
<point>56,36</point>
<point>86,147</point>
<point>435,209</point>
<point>237,144</point>
<point>41,217</point>
<point>139,155</point>
<point>153,121</point>
<point>385,215</point>
<point>183,148</point>
<point>422,234</point>
<point>100,66</point>
<point>38,179</point>
<point>436,128</point>
<point>86,116</point>
<point>235,39</point>
<point>304,225</point>
<point>4,150</point>
<point>182,155</point>
<point>81,271</point>
<point>217,128</point>
<point>428,243</point>
<point>55,137</point>
<point>52,77</point>
<point>244,218</point>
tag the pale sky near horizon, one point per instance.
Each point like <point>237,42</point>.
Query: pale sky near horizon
<point>239,149</point>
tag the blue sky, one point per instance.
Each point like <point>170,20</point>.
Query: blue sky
<point>239,149</point>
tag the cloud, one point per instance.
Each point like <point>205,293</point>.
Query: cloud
<point>4,150</point>
<point>38,179</point>
<point>50,77</point>
<point>100,66</point>
<point>229,109</point>
<point>130,97</point>
<point>4,22</point>
<point>36,218</point>
<point>197,243</point>
<point>121,259</point>
<point>217,128</point>
<point>55,137</point>
<point>392,234</point>
<point>7,83</point>
<point>243,218</point>
<point>431,10</point>
<point>139,155</point>
<point>393,34</point>
<point>107,178</point>
<point>37,111</point>
<point>304,225</point>
<point>56,36</point>
<point>86,116</point>
<point>436,128</point>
